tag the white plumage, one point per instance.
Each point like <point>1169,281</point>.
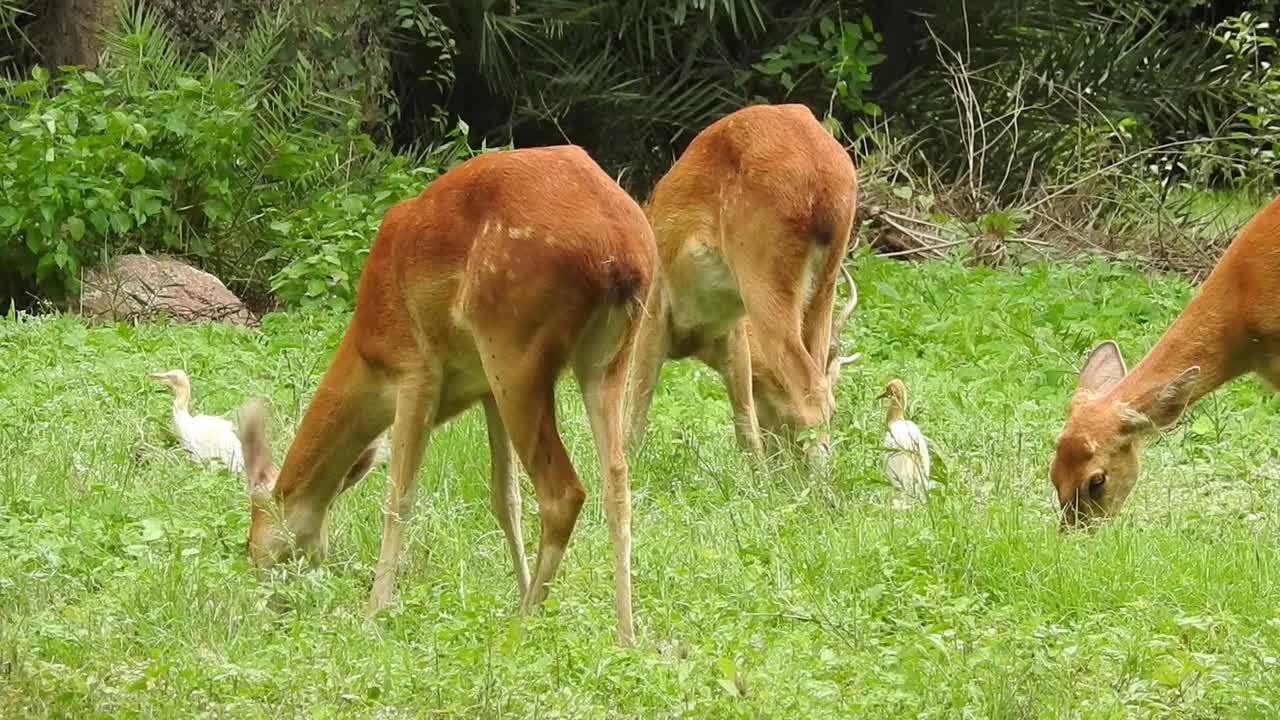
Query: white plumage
<point>206,437</point>
<point>906,457</point>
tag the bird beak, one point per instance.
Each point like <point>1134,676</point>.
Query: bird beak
<point>158,376</point>
<point>883,395</point>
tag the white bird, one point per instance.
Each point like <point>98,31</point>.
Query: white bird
<point>206,437</point>
<point>906,460</point>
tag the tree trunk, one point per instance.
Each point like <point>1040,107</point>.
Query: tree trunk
<point>70,31</point>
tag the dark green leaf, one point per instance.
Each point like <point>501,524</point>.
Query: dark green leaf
<point>215,209</point>
<point>120,222</point>
<point>133,168</point>
<point>76,227</point>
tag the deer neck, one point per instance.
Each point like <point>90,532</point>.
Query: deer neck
<point>328,441</point>
<point>1208,334</point>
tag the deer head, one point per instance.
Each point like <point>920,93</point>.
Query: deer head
<point>777,412</point>
<point>1096,463</point>
<point>268,542</point>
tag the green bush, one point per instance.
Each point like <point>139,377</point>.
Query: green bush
<point>88,167</point>
<point>1251,126</point>
<point>325,242</point>
<point>832,66</point>
<point>242,160</point>
<point>328,240</point>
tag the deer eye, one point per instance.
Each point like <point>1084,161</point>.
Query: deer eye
<point>1096,481</point>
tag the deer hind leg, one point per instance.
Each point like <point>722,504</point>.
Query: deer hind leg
<point>651,346</point>
<point>522,377</point>
<point>818,339</point>
<point>504,493</point>
<point>734,365</point>
<point>602,377</point>
<point>819,335</point>
<point>416,402</point>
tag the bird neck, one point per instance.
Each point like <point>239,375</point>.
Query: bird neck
<point>181,400</point>
<point>895,412</point>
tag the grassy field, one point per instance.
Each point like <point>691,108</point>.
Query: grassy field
<point>125,590</point>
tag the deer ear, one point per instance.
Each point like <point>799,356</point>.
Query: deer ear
<point>1163,405</point>
<point>1102,370</point>
<point>255,445</point>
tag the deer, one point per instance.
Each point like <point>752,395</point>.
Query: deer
<point>504,272</point>
<point>752,223</point>
<point>1230,327</point>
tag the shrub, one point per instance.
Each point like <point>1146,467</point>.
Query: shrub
<point>241,159</point>
<point>88,167</point>
<point>325,242</point>
<point>832,67</point>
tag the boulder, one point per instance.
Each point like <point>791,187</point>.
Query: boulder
<point>147,287</point>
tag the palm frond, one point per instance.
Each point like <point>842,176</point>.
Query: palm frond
<point>250,61</point>
<point>11,11</point>
<point>144,46</point>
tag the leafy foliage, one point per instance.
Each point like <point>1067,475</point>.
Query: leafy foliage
<point>1251,124</point>
<point>203,156</point>
<point>624,79</point>
<point>836,61</point>
<point>1046,93</point>
<point>327,240</point>
<point>96,167</point>
<point>1041,108</point>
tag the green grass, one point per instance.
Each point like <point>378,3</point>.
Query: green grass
<point>125,590</point>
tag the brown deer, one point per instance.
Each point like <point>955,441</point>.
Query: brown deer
<point>503,272</point>
<point>1231,327</point>
<point>752,224</point>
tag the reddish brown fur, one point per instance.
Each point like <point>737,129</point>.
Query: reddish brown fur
<point>1231,327</point>
<point>752,224</point>
<point>504,271</point>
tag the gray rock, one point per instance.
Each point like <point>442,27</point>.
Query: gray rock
<point>147,287</point>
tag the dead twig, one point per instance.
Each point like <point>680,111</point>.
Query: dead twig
<point>925,249</point>
<point>877,211</point>
<point>918,235</point>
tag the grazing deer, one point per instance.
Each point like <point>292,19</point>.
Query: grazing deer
<point>752,224</point>
<point>1231,327</point>
<point>503,272</point>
